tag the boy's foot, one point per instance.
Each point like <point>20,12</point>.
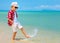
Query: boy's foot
<point>27,36</point>
<point>13,38</point>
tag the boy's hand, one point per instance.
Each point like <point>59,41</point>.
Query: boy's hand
<point>10,21</point>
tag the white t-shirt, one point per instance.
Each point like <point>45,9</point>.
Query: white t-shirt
<point>15,18</point>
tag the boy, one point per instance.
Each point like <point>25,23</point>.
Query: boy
<point>12,21</point>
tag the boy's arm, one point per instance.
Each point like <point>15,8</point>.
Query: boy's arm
<point>9,17</point>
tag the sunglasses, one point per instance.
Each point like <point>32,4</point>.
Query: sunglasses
<point>16,7</point>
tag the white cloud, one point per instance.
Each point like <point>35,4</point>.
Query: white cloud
<point>53,7</point>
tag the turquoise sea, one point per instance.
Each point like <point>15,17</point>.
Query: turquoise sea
<point>39,19</point>
<point>46,22</point>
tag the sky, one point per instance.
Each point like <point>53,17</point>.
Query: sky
<point>31,4</point>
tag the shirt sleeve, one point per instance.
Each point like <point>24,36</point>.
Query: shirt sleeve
<point>9,15</point>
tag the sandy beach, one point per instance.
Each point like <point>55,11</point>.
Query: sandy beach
<point>43,36</point>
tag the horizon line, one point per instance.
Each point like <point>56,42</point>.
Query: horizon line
<point>31,10</point>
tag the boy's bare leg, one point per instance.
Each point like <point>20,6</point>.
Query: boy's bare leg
<point>25,34</point>
<point>14,34</point>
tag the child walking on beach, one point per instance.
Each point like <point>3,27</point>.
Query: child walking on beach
<point>12,21</point>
